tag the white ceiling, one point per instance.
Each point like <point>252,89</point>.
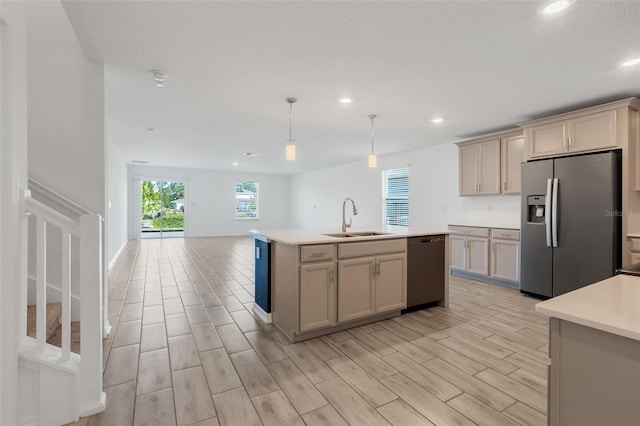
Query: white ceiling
<point>482,65</point>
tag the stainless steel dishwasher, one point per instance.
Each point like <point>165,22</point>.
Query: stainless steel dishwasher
<point>425,271</point>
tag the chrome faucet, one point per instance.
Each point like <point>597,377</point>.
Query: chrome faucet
<point>346,225</point>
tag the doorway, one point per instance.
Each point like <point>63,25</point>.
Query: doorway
<point>162,209</point>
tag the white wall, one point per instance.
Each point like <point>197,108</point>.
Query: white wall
<point>210,200</point>
<point>433,193</point>
<point>65,109</point>
<point>117,201</point>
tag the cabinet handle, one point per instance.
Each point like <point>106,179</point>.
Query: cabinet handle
<point>378,269</point>
<point>570,142</point>
<point>564,145</point>
<point>331,276</point>
<point>493,246</point>
<point>504,185</point>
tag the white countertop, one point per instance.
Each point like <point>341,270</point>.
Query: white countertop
<point>315,236</point>
<point>486,225</point>
<point>612,305</point>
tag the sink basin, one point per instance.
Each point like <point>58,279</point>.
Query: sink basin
<point>356,234</point>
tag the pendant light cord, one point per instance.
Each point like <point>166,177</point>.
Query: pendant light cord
<point>372,116</point>
<point>290,122</point>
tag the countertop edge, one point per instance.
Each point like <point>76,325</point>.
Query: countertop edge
<point>317,236</point>
<point>598,306</point>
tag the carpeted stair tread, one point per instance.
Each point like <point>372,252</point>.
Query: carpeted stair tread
<point>54,312</point>
<point>56,337</point>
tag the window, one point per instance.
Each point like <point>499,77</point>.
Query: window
<point>396,197</point>
<point>246,200</point>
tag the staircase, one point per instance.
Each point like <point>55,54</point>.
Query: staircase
<point>54,326</point>
<point>59,362</point>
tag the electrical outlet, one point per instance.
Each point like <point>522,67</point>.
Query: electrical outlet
<point>488,207</point>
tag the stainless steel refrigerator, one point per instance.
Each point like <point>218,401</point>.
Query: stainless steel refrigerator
<point>571,222</point>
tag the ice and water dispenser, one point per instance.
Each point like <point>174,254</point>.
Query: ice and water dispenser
<point>536,204</point>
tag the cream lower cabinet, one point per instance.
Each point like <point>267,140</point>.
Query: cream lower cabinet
<point>470,250</point>
<point>505,260</point>
<point>356,290</point>
<point>390,279</point>
<point>635,250</point>
<point>477,256</point>
<point>374,283</point>
<point>317,296</point>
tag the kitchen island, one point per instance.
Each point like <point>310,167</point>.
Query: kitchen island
<point>594,346</point>
<point>324,281</point>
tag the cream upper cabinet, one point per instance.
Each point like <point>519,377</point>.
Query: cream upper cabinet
<point>356,290</point>
<point>317,296</point>
<point>480,168</point>
<point>489,181</point>
<point>490,165</point>
<point>390,276</point>
<point>512,156</point>
<point>468,170</point>
<point>588,132</point>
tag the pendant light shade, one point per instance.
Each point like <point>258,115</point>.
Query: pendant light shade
<point>291,151</point>
<point>373,158</point>
<point>373,161</point>
<point>291,148</point>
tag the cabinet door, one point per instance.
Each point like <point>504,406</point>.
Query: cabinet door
<point>478,256</point>
<point>593,131</point>
<point>391,282</point>
<point>548,139</point>
<point>468,164</point>
<point>356,288</point>
<point>512,156</point>
<point>457,256</point>
<point>317,296</point>
<point>505,260</point>
<point>489,168</point>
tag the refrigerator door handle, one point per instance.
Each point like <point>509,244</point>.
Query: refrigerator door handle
<point>554,213</point>
<point>547,214</point>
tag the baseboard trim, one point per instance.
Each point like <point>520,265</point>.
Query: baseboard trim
<point>94,407</point>
<point>485,279</point>
<point>265,317</point>
<point>115,256</point>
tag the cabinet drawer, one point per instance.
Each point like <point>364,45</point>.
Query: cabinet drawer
<point>371,248</point>
<point>315,253</point>
<point>505,234</point>
<point>635,244</point>
<point>470,231</point>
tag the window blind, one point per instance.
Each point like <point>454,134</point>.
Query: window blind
<point>396,197</point>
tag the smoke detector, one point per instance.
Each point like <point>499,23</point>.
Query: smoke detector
<point>159,77</point>
<point>250,154</point>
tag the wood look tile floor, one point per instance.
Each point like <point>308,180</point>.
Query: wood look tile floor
<point>187,350</point>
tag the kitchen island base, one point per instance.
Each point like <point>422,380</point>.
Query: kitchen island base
<point>594,376</point>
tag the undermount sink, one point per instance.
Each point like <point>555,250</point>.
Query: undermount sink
<point>355,234</point>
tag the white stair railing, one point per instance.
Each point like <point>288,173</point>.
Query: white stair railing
<point>88,231</point>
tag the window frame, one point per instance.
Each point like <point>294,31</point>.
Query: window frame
<point>257,201</point>
<point>386,197</point>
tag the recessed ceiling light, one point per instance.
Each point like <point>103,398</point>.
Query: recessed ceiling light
<point>150,130</point>
<point>250,154</point>
<point>234,163</point>
<point>346,100</point>
<point>630,62</point>
<point>140,161</point>
<point>557,7</point>
<point>437,120</point>
<point>159,77</point>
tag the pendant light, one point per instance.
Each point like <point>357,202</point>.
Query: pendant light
<point>291,148</point>
<point>373,158</point>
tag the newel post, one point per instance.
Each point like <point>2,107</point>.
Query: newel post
<point>91,397</point>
